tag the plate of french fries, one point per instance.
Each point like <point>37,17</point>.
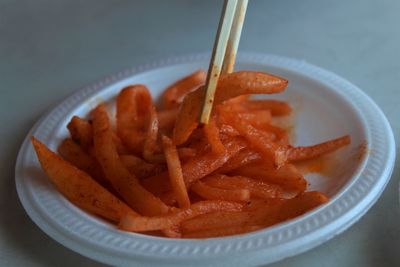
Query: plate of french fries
<point>122,171</point>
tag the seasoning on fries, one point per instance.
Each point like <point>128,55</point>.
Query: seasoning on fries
<point>160,171</point>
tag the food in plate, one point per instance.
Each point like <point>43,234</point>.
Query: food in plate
<point>160,172</point>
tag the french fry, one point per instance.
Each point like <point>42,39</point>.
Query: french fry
<point>212,133</point>
<point>81,132</point>
<point>175,173</point>
<point>242,158</point>
<point>211,193</point>
<point>166,118</point>
<point>257,118</point>
<point>125,183</point>
<point>168,198</point>
<point>79,187</point>
<point>296,206</point>
<point>264,215</point>
<point>257,188</point>
<point>175,93</point>
<point>143,169</point>
<point>229,86</point>
<point>248,82</point>
<point>262,141</point>
<point>228,130</point>
<point>75,155</point>
<point>139,167</point>
<point>198,142</point>
<point>186,153</point>
<point>281,136</point>
<point>195,168</point>
<point>188,115</point>
<point>143,223</point>
<point>276,107</point>
<point>309,152</point>
<point>260,119</point>
<point>237,100</point>
<point>215,220</point>
<point>256,204</point>
<point>133,106</point>
<point>119,145</point>
<point>254,213</point>
<point>288,208</point>
<point>158,184</point>
<point>172,232</point>
<point>286,176</point>
<point>201,166</point>
<point>150,142</point>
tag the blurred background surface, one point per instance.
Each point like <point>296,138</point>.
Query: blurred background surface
<point>48,49</point>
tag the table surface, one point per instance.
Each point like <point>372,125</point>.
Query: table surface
<point>48,49</point>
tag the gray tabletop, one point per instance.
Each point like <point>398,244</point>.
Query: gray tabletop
<point>48,49</point>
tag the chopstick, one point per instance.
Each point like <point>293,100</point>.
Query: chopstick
<point>217,58</point>
<point>224,50</point>
<point>234,37</point>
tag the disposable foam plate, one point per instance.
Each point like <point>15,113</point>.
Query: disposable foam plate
<point>326,106</point>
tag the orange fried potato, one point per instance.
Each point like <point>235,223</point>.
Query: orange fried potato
<point>175,93</point>
<point>139,167</point>
<point>150,142</point>
<point>257,118</point>
<point>309,152</point>
<point>119,145</point>
<point>287,176</point>
<point>175,173</point>
<point>296,206</point>
<point>253,214</point>
<point>256,188</point>
<point>276,107</point>
<point>188,116</point>
<point>166,118</point>
<point>201,166</point>
<point>143,223</point>
<point>125,183</point>
<point>79,187</point>
<point>228,130</point>
<point>195,168</point>
<point>248,82</point>
<point>75,155</point>
<point>211,131</point>
<point>133,106</point>
<point>262,141</point>
<point>242,158</point>
<point>262,214</point>
<point>216,220</point>
<point>229,86</point>
<point>186,152</point>
<point>209,192</point>
<point>81,132</point>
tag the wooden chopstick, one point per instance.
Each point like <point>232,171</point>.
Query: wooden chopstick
<point>234,37</point>
<point>224,51</point>
<point>217,58</point>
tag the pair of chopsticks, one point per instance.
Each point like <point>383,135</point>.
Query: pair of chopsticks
<point>224,51</point>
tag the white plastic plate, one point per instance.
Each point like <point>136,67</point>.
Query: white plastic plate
<point>326,106</point>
